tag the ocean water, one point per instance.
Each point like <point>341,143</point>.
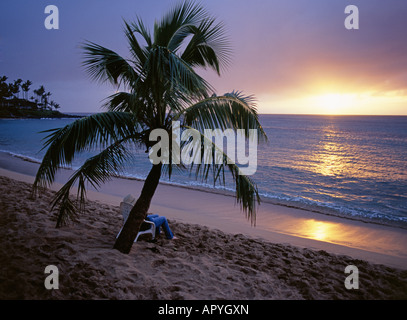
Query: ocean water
<point>352,166</point>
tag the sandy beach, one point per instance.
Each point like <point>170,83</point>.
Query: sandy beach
<point>211,259</point>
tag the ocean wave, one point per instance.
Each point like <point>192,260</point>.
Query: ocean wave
<point>22,156</point>
<point>336,209</point>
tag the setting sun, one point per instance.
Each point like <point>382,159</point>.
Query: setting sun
<point>334,103</point>
<point>349,103</point>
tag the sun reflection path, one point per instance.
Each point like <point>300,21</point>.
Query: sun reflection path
<point>334,155</point>
<point>319,230</point>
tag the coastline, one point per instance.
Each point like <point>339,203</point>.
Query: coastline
<point>18,113</point>
<point>216,210</point>
<point>230,193</point>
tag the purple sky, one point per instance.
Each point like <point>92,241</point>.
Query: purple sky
<point>290,54</point>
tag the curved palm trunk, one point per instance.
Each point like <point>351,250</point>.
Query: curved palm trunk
<point>139,211</point>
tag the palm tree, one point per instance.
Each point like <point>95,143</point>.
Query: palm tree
<point>40,92</point>
<point>15,88</point>
<point>26,87</point>
<point>45,99</point>
<point>4,88</point>
<point>160,86</point>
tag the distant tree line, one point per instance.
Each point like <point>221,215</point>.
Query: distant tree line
<point>16,94</point>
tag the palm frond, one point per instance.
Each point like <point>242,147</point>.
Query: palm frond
<point>103,65</point>
<point>245,189</point>
<point>95,171</point>
<point>139,53</point>
<point>170,31</point>
<point>139,27</point>
<point>99,129</point>
<point>209,46</point>
<point>169,73</point>
<point>126,102</point>
<point>230,111</point>
<point>185,79</point>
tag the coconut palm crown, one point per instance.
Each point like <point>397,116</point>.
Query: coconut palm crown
<point>156,85</point>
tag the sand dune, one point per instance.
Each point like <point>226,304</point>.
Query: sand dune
<point>201,264</point>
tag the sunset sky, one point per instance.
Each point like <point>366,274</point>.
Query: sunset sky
<point>295,56</point>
